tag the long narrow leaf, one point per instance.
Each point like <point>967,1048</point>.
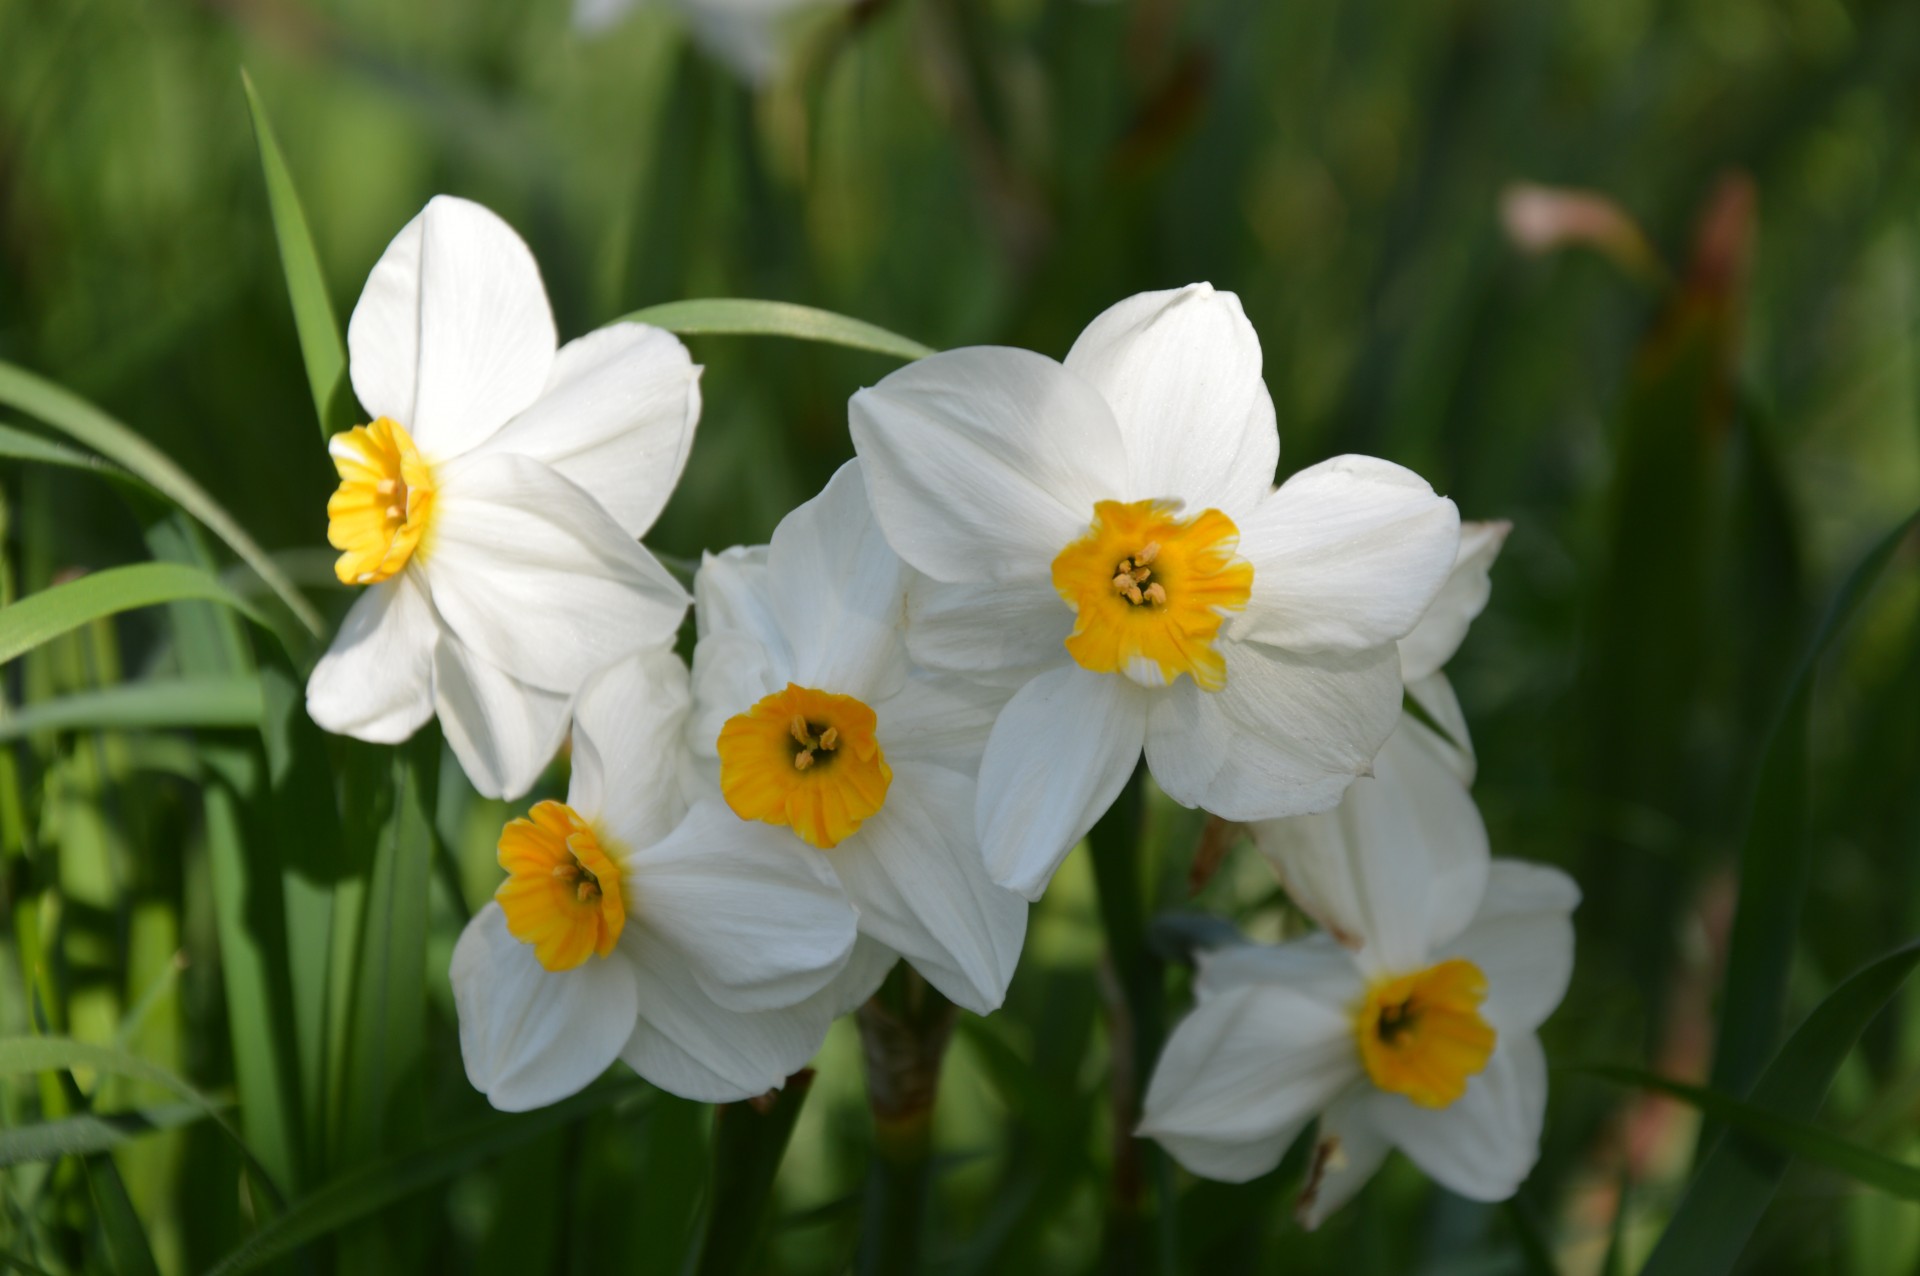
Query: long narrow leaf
<point>1801,1138</point>
<point>320,346</point>
<point>1724,1202</point>
<point>734,316</point>
<point>1776,855</point>
<point>159,704</point>
<point>81,420</point>
<point>91,1132</point>
<point>19,445</point>
<point>381,1183</point>
<point>51,612</point>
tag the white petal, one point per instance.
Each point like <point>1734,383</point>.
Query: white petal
<point>503,730</point>
<point>1434,695</point>
<point>1347,1151</point>
<point>730,592</point>
<point>838,593</point>
<point>1285,736</point>
<point>452,336</point>
<point>628,738</point>
<point>1522,940</point>
<point>1399,866</point>
<point>1440,632</point>
<point>690,1045</point>
<point>983,464</point>
<point>1484,1145</point>
<point>536,577</point>
<point>1315,967</point>
<point>1059,754</point>
<point>940,719</point>
<point>531,1036</point>
<point>1242,1074</point>
<point>999,632</point>
<point>376,681</point>
<point>1181,370</point>
<point>731,673</point>
<point>759,915</point>
<point>590,17</point>
<point>617,417</point>
<point>915,873</point>
<point>1346,555</point>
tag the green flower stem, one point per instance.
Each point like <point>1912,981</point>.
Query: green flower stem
<point>1137,1011</point>
<point>904,1031</point>
<point>748,1141</point>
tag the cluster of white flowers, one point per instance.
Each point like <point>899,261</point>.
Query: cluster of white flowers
<point>905,710</point>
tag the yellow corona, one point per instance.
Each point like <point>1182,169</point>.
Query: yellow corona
<point>1422,1035</point>
<point>805,759</point>
<point>381,509</point>
<point>562,892</point>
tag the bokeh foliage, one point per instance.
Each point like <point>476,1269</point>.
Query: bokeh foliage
<point>1694,457</point>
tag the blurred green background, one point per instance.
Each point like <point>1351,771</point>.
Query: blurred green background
<point>1695,436</point>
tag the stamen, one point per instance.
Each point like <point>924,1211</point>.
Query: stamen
<point>1156,595</point>
<point>798,729</point>
<point>1147,554</point>
<point>803,759</point>
<point>830,738</point>
<point>1123,582</point>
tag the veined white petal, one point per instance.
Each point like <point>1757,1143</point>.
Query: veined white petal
<point>1484,1145</point>
<point>731,673</point>
<point>628,741</point>
<point>1060,752</point>
<point>452,335</point>
<point>531,1036</point>
<point>617,417</point>
<point>984,463</point>
<point>730,592</point>
<point>536,577</point>
<point>1522,940</point>
<point>376,681</point>
<point>838,593</point>
<point>1441,631</point>
<point>1434,695</point>
<point>1350,1147</point>
<point>1285,736</point>
<point>503,731</point>
<point>1399,866</point>
<point>915,873</point>
<point>1314,967</point>
<point>1347,555</point>
<point>757,912</point>
<point>1000,632</point>
<point>940,719</point>
<point>1242,1074</point>
<point>1181,370</point>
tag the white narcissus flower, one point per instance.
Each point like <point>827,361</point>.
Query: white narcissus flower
<point>713,966</point>
<point>1419,1033</point>
<point>745,35</point>
<point>490,510</point>
<point>1105,536</point>
<point>821,743</point>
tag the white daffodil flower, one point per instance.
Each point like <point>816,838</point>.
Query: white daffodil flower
<point>1422,1039</point>
<point>822,744</point>
<point>743,35</point>
<point>712,965</point>
<point>1105,535</point>
<point>490,510</point>
<point>1417,796</point>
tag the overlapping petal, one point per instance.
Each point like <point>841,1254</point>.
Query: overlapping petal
<point>628,733</point>
<point>503,731</point>
<point>375,682</point>
<point>1484,1145</point>
<point>1522,940</point>
<point>1002,632</point>
<point>1441,631</point>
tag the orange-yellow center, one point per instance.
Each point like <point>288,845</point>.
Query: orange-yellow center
<point>1421,1035</point>
<point>562,892</point>
<point>1149,591</point>
<point>806,759</point>
<point>378,514</point>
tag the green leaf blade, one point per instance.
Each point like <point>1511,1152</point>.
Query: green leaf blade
<point>738,316</point>
<point>51,612</point>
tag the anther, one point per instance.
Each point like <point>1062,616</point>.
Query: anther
<point>830,738</point>
<point>1123,582</point>
<point>1156,595</point>
<point>1134,595</point>
<point>803,759</point>
<point>798,728</point>
<point>587,892</point>
<point>1147,554</point>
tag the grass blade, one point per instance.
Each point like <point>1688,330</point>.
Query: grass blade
<point>126,1238</point>
<point>1775,855</point>
<point>380,1183</point>
<point>735,316</point>
<point>91,1132</point>
<point>1800,1138</point>
<point>1724,1202</point>
<point>19,445</point>
<point>75,417</point>
<point>51,612</point>
<point>131,706</point>
<point>320,346</point>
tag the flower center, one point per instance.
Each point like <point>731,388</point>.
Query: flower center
<point>806,759</point>
<point>380,511</point>
<point>562,892</point>
<point>1149,591</point>
<point>1421,1035</point>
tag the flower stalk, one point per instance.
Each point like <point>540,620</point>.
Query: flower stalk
<point>749,1140</point>
<point>904,1031</point>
